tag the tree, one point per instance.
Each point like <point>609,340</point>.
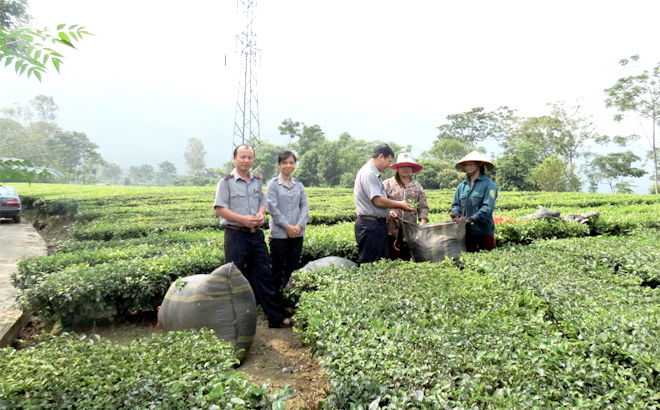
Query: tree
<point>45,107</point>
<point>438,174</point>
<point>639,94</point>
<point>449,149</point>
<point>543,132</point>
<point>309,168</point>
<point>166,173</point>
<point>194,157</point>
<point>89,171</point>
<point>13,14</point>
<point>576,130</point>
<point>141,175</point>
<point>310,138</point>
<point>477,125</point>
<point>554,175</point>
<point>330,167</point>
<point>265,159</point>
<point>69,150</point>
<point>111,173</point>
<point>514,167</point>
<point>613,168</point>
<point>290,128</point>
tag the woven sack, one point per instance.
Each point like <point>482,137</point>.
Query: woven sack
<point>222,301</point>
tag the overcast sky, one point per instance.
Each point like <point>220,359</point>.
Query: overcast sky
<point>154,74</point>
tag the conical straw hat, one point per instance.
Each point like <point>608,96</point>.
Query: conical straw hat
<point>474,156</point>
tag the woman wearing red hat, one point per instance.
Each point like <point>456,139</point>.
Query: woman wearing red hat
<point>474,202</point>
<point>402,187</point>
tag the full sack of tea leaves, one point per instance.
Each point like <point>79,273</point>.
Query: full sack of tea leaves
<point>222,301</point>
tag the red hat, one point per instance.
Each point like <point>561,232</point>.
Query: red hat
<point>406,159</point>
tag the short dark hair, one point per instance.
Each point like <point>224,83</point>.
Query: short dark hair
<point>286,154</point>
<point>384,150</point>
<point>482,169</point>
<point>242,145</point>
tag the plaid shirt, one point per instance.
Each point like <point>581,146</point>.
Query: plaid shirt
<point>414,191</point>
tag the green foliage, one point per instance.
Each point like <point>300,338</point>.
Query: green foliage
<point>176,370</point>
<point>613,168</point>
<point>130,243</point>
<point>24,47</point>
<point>561,323</point>
<point>141,175</point>
<point>19,169</point>
<point>82,292</point>
<point>13,13</point>
<point>438,174</point>
<point>194,157</point>
<point>637,94</point>
<point>475,126</point>
<point>534,229</point>
<point>514,168</point>
<point>65,208</point>
<point>554,175</point>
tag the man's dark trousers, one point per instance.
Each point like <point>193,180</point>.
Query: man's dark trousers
<point>371,236</point>
<point>249,253</point>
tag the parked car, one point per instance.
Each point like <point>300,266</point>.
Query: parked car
<point>10,204</point>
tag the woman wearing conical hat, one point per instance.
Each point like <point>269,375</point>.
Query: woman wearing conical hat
<point>474,202</point>
<point>401,187</point>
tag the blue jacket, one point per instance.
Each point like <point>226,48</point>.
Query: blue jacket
<point>477,203</point>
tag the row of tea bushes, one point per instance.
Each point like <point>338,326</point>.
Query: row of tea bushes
<point>137,224</point>
<point>135,276</point>
<point>148,209</point>
<point>95,282</point>
<point>116,288</point>
<point>176,370</point>
<point>31,270</point>
<point>557,324</point>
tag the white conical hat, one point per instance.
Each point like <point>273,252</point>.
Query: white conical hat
<point>474,156</point>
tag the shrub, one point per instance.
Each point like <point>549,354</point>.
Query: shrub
<point>104,291</point>
<point>65,208</point>
<point>178,370</point>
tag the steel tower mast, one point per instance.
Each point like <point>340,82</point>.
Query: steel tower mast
<point>246,119</point>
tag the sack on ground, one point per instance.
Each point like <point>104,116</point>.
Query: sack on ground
<point>329,261</point>
<point>432,242</point>
<point>222,301</point>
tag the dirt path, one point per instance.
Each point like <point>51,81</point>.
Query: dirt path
<point>17,241</point>
<point>278,357</point>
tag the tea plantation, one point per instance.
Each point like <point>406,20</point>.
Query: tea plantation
<point>561,315</point>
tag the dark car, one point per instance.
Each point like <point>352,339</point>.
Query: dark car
<point>10,204</point>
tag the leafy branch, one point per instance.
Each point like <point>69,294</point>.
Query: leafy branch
<point>27,49</point>
<point>13,168</point>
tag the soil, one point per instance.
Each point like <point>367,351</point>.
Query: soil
<point>277,356</point>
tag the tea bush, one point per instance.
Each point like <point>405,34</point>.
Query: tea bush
<point>551,325</point>
<point>176,370</point>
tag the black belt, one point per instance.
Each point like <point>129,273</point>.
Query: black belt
<point>242,228</point>
<point>370,218</point>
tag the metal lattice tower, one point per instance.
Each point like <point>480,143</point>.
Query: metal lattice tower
<point>246,119</point>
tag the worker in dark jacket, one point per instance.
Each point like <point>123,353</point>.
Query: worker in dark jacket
<point>474,202</point>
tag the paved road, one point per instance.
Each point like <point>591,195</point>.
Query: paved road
<point>17,241</point>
